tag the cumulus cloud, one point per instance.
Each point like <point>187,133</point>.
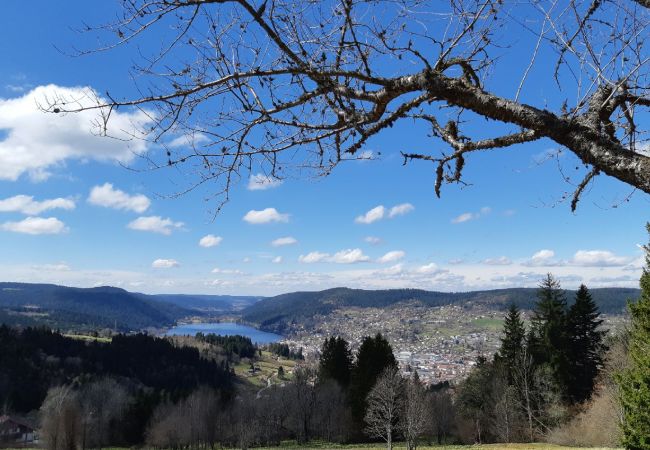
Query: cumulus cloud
<point>267,215</point>
<point>27,205</point>
<point>188,140</point>
<point>109,197</point>
<point>35,142</point>
<point>164,264</point>
<point>280,242</point>
<point>210,240</point>
<point>155,224</point>
<point>372,240</point>
<point>500,261</point>
<point>375,214</point>
<point>392,256</point>
<point>277,260</point>
<point>313,257</point>
<point>543,257</point>
<point>466,217</point>
<point>381,212</point>
<point>36,225</point>
<point>261,182</point>
<point>349,256</point>
<point>598,258</point>
<point>430,268</point>
<point>400,210</point>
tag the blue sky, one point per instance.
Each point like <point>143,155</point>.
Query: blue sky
<point>71,213</point>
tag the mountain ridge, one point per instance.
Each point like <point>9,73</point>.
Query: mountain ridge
<point>275,313</point>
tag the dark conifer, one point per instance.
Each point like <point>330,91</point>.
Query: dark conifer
<point>634,381</point>
<point>586,346</point>
<point>374,356</point>
<point>549,340</point>
<point>335,361</point>
<point>513,340</point>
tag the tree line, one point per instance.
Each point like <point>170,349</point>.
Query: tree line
<point>539,374</point>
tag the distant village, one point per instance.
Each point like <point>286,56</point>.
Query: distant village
<point>441,343</point>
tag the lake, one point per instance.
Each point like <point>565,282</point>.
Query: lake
<point>224,329</point>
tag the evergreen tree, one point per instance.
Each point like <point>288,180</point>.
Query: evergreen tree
<point>335,361</point>
<point>548,340</point>
<point>585,346</point>
<point>374,356</point>
<point>634,381</point>
<point>513,340</point>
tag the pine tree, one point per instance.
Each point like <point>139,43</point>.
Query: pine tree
<point>513,340</point>
<point>335,361</point>
<point>585,346</point>
<point>634,382</point>
<point>548,338</point>
<point>375,355</point>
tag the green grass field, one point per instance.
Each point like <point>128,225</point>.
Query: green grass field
<point>401,446</point>
<point>268,366</point>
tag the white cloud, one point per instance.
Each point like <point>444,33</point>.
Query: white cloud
<point>188,140</point>
<point>36,142</point>
<point>261,182</point>
<point>430,268</point>
<point>375,214</point>
<point>313,257</point>
<point>466,217</point>
<point>400,210</point>
<point>288,240</point>
<point>372,240</point>
<point>155,224</point>
<point>543,257</point>
<point>349,256</point>
<point>164,264</point>
<point>27,205</point>
<point>59,267</point>
<point>267,215</point>
<point>109,197</point>
<point>228,271</point>
<point>277,260</point>
<point>598,258</point>
<point>392,256</point>
<point>36,225</point>
<point>380,212</point>
<point>210,240</point>
<point>500,261</point>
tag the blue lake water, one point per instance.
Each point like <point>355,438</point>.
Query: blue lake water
<point>224,329</point>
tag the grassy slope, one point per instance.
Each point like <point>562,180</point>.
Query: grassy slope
<point>268,365</point>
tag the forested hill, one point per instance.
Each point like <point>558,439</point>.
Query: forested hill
<point>271,313</point>
<point>80,308</point>
<point>69,308</point>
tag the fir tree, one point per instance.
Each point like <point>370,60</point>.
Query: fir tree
<point>585,346</point>
<point>634,381</point>
<point>374,356</point>
<point>513,340</point>
<point>335,361</point>
<point>548,339</point>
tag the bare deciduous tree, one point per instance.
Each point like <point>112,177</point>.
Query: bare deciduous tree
<point>60,419</point>
<point>385,404</point>
<point>442,415</point>
<point>102,401</point>
<point>415,415</point>
<point>274,85</point>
